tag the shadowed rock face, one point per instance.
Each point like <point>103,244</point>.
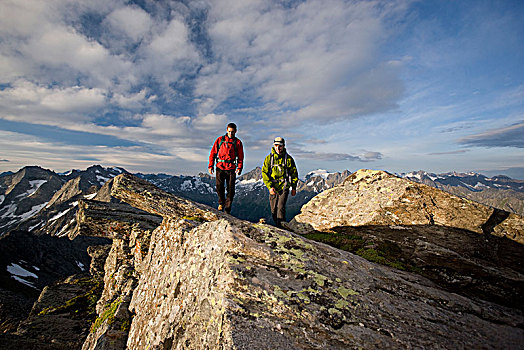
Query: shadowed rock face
<point>209,280</point>
<point>463,246</point>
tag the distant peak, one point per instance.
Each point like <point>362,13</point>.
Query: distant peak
<point>319,172</point>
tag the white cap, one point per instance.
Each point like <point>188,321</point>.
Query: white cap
<point>279,141</point>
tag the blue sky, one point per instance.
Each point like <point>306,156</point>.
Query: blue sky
<point>148,85</point>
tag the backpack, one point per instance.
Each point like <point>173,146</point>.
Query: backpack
<point>286,172</point>
<point>222,140</point>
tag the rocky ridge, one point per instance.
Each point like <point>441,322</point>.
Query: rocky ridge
<point>209,280</point>
<point>182,275</point>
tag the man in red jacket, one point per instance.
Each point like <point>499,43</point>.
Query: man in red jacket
<point>229,155</point>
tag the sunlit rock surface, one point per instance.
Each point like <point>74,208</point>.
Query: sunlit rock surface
<point>369,197</point>
<point>208,280</point>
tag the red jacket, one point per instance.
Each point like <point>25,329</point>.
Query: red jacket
<point>226,154</point>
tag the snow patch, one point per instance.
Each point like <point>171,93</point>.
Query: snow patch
<point>34,210</point>
<point>59,215</point>
<point>35,185</point>
<point>2,197</point>
<point>23,281</point>
<point>9,211</point>
<point>80,265</point>
<point>90,196</point>
<point>186,185</point>
<point>101,179</point>
<point>31,228</point>
<point>319,172</point>
<point>467,185</point>
<point>250,184</point>
<point>17,270</point>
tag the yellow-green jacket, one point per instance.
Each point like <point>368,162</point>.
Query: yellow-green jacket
<point>279,176</point>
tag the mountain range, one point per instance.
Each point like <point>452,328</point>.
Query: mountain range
<point>103,236</point>
<point>41,201</point>
<point>405,266</point>
<point>498,191</point>
<point>44,202</point>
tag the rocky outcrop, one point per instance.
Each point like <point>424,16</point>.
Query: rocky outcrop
<point>130,229</point>
<point>463,246</point>
<point>209,280</point>
<point>370,197</point>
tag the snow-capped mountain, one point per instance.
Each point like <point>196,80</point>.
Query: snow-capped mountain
<point>25,193</point>
<point>472,181</point>
<point>320,180</point>
<point>41,201</point>
<point>498,191</point>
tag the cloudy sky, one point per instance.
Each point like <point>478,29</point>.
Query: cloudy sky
<point>397,85</point>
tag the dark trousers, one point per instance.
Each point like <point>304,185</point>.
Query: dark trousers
<point>226,178</point>
<point>277,203</point>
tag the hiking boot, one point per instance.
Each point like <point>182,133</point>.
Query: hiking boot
<point>228,210</point>
<point>220,207</point>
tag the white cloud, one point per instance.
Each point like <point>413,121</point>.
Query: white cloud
<point>319,58</point>
<point>133,21</point>
<point>25,150</point>
<point>169,54</point>
<point>210,122</point>
<point>73,99</point>
<point>22,17</point>
<point>64,46</point>
<point>32,103</point>
<point>132,100</point>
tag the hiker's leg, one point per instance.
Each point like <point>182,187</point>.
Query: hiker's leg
<point>221,190</point>
<point>273,201</point>
<point>281,205</point>
<point>230,180</point>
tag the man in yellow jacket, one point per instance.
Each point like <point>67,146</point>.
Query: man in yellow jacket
<point>279,173</point>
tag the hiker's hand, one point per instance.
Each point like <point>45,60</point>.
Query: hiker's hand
<point>272,191</point>
<point>293,192</point>
<point>210,171</point>
<point>238,171</point>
